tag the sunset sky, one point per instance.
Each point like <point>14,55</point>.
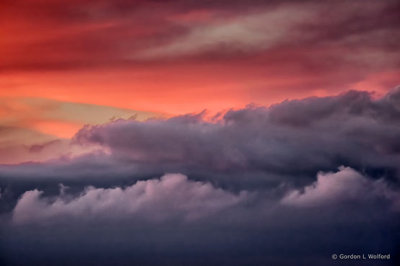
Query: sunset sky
<point>108,58</point>
<point>229,97</point>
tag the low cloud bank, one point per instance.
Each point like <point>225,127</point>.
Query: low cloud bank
<point>175,198</point>
<point>171,196</point>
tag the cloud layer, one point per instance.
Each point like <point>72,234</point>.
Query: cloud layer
<point>250,148</point>
<point>173,215</point>
<point>173,196</point>
<point>294,138</point>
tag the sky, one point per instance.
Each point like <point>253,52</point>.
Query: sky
<point>185,132</point>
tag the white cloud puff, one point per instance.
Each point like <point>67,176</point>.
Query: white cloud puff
<point>170,197</point>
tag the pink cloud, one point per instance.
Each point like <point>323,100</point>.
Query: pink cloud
<point>171,196</point>
<point>343,186</point>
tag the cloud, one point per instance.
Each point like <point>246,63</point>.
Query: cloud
<point>251,148</point>
<point>175,198</point>
<point>346,185</point>
<point>247,33</point>
<point>243,52</point>
<point>104,34</point>
<point>349,129</point>
<point>174,215</point>
<point>171,196</point>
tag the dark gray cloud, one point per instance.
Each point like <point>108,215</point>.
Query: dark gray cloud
<point>252,148</point>
<point>299,137</point>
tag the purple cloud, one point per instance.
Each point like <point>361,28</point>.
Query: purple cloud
<point>157,200</point>
<point>346,185</point>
